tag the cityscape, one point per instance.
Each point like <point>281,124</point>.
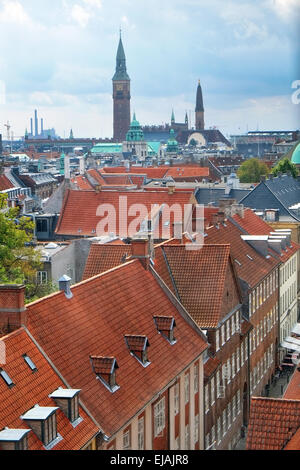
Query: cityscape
<point>150,228</point>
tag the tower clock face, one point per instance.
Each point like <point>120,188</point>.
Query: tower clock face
<point>119,87</point>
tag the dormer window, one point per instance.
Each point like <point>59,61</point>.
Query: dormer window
<point>14,439</point>
<point>42,420</point>
<point>165,326</point>
<point>138,347</point>
<point>105,370</point>
<point>68,401</point>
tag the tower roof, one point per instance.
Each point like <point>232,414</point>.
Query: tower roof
<point>121,70</point>
<point>199,101</point>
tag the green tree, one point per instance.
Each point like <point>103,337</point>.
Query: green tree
<point>251,171</point>
<point>193,143</point>
<point>284,166</point>
<point>19,259</point>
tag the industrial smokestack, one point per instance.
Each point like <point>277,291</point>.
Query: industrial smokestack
<point>36,123</point>
<point>42,126</point>
<point>31,127</point>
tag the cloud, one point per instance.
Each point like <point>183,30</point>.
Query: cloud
<point>13,12</point>
<point>80,15</point>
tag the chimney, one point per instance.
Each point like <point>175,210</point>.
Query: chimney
<point>140,248</point>
<point>237,209</point>
<point>31,127</point>
<point>12,307</point>
<point>36,123</point>
<point>226,202</point>
<point>221,217</point>
<point>263,178</point>
<point>171,188</point>
<point>98,188</point>
<point>42,126</point>
<point>65,285</point>
<point>215,219</point>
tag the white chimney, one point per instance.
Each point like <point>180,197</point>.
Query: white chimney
<point>65,285</point>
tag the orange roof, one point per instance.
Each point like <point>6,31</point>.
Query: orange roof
<point>294,443</point>
<point>188,172</point>
<point>249,264</point>
<point>5,183</point>
<point>33,388</point>
<point>199,279</point>
<point>104,257</point>
<point>273,423</point>
<point>150,172</point>
<point>292,391</point>
<point>94,322</point>
<point>86,203</point>
<point>254,225</point>
<point>82,182</point>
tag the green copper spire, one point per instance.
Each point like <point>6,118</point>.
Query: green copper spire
<point>172,146</point>
<point>121,70</point>
<point>71,135</point>
<point>173,117</point>
<point>135,133</point>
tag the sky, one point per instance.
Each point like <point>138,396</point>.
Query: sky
<point>59,57</point>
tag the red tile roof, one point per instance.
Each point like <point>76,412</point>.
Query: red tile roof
<point>33,388</point>
<point>292,391</point>
<point>254,225</point>
<point>82,182</point>
<point>188,172</point>
<point>199,279</point>
<point>5,183</point>
<point>210,366</point>
<point>104,257</point>
<point>86,203</point>
<point>253,270</point>
<point>294,443</point>
<point>273,423</point>
<point>150,172</point>
<point>94,322</point>
<point>102,365</point>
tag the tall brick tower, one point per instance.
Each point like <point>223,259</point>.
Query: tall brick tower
<point>199,123</point>
<point>121,96</point>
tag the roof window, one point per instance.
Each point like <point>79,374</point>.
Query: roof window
<point>165,326</point>
<point>30,363</point>
<point>6,378</point>
<point>105,370</point>
<point>138,347</point>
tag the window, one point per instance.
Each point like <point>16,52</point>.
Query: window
<point>187,388</point>
<point>196,378</point>
<point>212,391</point>
<point>232,325</point>
<point>30,363</point>
<point>224,422</point>
<point>187,436</point>
<point>196,429</point>
<point>127,440</point>
<point>141,431</point>
<point>176,399</point>
<point>223,334</point>
<point>219,431</point>
<point>237,321</point>
<point>233,365</point>
<point>41,225</point>
<point>206,399</point>
<point>42,277</point>
<point>227,330</point>
<point>217,340</point>
<point>159,417</point>
<point>6,378</point>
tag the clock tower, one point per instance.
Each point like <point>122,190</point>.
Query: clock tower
<point>121,97</point>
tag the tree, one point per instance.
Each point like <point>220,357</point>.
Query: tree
<point>193,143</point>
<point>19,260</point>
<point>284,166</point>
<point>252,170</point>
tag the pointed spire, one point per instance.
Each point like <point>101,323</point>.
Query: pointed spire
<point>121,70</point>
<point>173,117</point>
<point>199,101</point>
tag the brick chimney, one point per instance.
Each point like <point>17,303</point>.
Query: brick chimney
<point>171,188</point>
<point>140,248</point>
<point>12,307</point>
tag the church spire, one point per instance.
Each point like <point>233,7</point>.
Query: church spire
<point>199,121</point>
<point>173,117</point>
<point>121,70</point>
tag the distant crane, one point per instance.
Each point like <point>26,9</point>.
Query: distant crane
<point>8,126</point>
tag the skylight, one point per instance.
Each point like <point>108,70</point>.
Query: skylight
<point>30,363</point>
<point>6,378</point>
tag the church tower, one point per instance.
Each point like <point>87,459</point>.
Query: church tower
<point>121,96</point>
<point>199,123</point>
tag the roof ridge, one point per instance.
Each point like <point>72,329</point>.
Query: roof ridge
<point>74,286</point>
